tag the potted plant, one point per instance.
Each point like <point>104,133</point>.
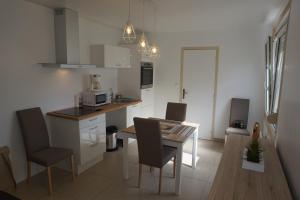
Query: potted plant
<point>253,156</point>
<point>254,149</point>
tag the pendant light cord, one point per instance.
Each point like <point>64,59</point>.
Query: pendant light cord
<point>129,9</point>
<point>155,21</point>
<point>143,18</point>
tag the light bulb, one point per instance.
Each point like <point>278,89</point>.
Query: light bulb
<point>143,43</point>
<point>154,50</point>
<point>128,30</point>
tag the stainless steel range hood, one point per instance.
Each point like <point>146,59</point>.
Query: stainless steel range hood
<point>67,40</point>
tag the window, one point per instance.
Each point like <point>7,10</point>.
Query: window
<point>268,75</point>
<point>275,54</point>
<point>279,45</point>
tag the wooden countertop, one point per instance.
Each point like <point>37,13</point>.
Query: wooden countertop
<point>232,182</point>
<point>104,109</point>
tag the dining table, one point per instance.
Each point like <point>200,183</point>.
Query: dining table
<point>174,134</point>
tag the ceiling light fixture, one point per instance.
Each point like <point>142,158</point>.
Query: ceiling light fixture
<point>143,46</point>
<point>154,49</point>
<point>129,33</point>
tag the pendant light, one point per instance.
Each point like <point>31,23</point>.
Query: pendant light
<point>128,32</point>
<point>143,46</point>
<point>154,49</point>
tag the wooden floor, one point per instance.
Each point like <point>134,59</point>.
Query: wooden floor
<point>104,180</point>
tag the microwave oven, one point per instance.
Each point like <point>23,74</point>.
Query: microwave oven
<point>95,98</point>
<point>146,75</point>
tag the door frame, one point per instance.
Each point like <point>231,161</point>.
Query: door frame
<point>205,48</point>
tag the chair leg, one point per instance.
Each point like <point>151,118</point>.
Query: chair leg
<point>174,166</point>
<point>50,189</point>
<point>140,175</point>
<point>28,171</point>
<point>72,167</point>
<point>160,180</point>
<point>8,164</point>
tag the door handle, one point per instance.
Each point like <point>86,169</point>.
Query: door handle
<point>184,92</point>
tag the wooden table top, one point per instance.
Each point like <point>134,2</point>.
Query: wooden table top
<point>232,182</point>
<point>180,133</point>
<point>104,109</point>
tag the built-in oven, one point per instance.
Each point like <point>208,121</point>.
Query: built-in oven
<point>146,75</point>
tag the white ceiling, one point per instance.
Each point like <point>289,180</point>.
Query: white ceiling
<point>174,15</point>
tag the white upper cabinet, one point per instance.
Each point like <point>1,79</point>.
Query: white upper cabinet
<point>109,56</point>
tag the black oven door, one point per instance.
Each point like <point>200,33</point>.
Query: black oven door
<point>146,75</point>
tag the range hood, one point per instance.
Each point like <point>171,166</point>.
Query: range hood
<point>67,40</point>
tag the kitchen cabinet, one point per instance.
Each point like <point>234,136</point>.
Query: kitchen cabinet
<point>92,140</point>
<point>129,80</point>
<point>86,137</point>
<point>132,111</point>
<point>109,56</point>
<point>147,105</point>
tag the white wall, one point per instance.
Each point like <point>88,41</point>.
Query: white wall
<point>27,38</point>
<point>241,70</point>
<point>288,142</point>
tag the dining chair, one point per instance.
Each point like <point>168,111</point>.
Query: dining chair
<point>37,145</point>
<point>4,152</point>
<point>176,111</point>
<point>238,117</point>
<point>150,148</point>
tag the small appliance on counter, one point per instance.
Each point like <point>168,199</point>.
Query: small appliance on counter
<point>96,98</point>
<point>95,84</point>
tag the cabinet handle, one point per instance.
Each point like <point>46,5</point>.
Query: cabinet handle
<point>93,119</point>
<point>94,144</point>
<point>93,128</point>
<point>184,92</point>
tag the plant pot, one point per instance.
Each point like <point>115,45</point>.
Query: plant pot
<point>253,166</point>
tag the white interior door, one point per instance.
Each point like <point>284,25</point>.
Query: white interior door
<point>198,84</point>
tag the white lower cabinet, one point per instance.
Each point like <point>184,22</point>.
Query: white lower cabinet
<point>92,142</point>
<point>147,96</point>
<point>87,138</point>
<point>133,111</point>
<point>147,105</point>
<point>147,111</point>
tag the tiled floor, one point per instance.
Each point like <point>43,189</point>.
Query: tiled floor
<point>104,180</point>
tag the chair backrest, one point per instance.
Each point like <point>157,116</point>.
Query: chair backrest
<point>149,141</point>
<point>239,111</point>
<point>176,111</point>
<point>34,130</point>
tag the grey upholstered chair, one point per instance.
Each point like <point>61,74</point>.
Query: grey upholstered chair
<point>37,146</point>
<point>238,117</point>
<point>176,111</point>
<point>4,152</point>
<point>151,150</point>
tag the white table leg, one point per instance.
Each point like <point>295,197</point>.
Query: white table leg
<point>195,148</point>
<point>125,158</point>
<point>178,169</point>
